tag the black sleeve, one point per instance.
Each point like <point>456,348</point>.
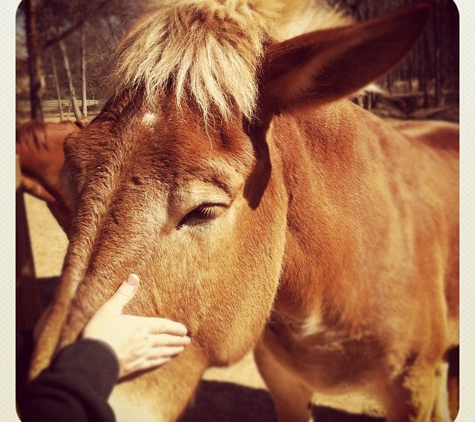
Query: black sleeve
<point>75,387</point>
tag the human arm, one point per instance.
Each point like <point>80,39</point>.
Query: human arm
<point>75,387</point>
<point>77,384</point>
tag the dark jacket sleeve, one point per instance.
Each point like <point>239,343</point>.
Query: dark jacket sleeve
<point>76,386</point>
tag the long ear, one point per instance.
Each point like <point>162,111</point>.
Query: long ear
<point>323,66</point>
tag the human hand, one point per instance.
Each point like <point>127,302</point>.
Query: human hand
<point>139,342</point>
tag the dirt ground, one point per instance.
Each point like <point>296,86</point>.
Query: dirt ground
<point>232,394</point>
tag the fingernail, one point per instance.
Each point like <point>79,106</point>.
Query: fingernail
<point>133,279</point>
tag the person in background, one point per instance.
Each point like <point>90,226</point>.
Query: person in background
<point>77,384</point>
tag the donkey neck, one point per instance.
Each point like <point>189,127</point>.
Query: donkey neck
<point>328,156</point>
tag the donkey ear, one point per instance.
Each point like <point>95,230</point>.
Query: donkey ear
<point>323,66</point>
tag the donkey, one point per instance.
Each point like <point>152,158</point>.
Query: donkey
<point>39,146</point>
<point>266,211</point>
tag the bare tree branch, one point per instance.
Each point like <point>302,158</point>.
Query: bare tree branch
<point>80,22</point>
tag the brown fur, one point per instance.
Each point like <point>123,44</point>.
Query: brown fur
<point>319,235</point>
<point>40,149</point>
<point>210,41</point>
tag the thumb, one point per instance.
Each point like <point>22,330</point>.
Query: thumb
<point>123,294</point>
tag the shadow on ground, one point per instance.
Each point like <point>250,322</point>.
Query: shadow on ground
<point>47,287</point>
<point>227,402</point>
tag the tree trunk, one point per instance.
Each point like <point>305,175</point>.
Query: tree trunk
<point>423,74</point>
<point>83,72</point>
<point>410,73</point>
<point>72,93</point>
<point>389,83</point>
<point>438,62</point>
<point>35,65</point>
<point>56,85</point>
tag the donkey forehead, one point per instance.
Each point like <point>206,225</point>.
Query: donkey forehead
<point>169,147</point>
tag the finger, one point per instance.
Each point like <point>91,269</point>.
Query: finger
<point>156,325</point>
<point>123,294</point>
<point>169,340</point>
<point>153,362</point>
<point>164,352</point>
<point>166,326</point>
<point>143,364</point>
<point>157,362</point>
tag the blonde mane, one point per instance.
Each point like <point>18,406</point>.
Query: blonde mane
<point>210,50</point>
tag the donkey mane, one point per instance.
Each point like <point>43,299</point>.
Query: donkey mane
<point>209,51</point>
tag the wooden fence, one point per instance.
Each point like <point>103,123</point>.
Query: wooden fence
<point>48,104</point>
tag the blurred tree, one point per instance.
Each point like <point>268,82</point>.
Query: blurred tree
<point>83,73</point>
<point>49,22</point>
<point>58,91</point>
<point>35,65</point>
<point>92,29</point>
<point>72,91</point>
<point>433,67</point>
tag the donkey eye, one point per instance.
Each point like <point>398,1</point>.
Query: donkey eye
<point>202,214</point>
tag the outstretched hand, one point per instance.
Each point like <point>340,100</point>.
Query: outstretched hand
<point>139,342</point>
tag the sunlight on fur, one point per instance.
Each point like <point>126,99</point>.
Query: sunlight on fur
<point>210,51</point>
